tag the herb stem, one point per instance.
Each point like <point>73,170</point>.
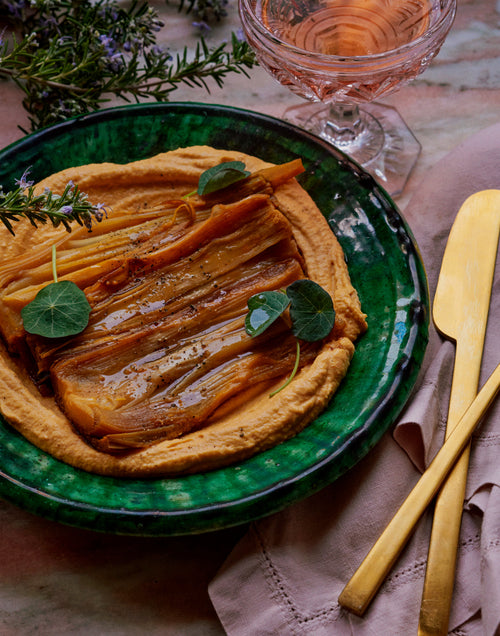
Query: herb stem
<point>71,57</point>
<point>54,267</point>
<point>293,373</point>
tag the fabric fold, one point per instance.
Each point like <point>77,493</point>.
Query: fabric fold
<point>420,430</point>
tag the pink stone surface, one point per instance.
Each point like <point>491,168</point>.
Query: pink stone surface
<point>59,580</point>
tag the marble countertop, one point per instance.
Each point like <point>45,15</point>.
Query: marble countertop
<point>60,580</point>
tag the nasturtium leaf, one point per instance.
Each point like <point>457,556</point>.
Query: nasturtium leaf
<point>221,176</point>
<point>311,310</point>
<point>264,309</point>
<point>58,310</point>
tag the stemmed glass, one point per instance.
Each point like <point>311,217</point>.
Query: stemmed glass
<point>341,54</point>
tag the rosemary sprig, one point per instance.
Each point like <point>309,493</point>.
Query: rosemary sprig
<point>71,57</point>
<point>69,207</point>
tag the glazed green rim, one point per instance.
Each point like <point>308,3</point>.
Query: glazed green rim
<point>385,268</point>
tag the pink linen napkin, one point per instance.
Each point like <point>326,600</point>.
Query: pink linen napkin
<point>285,575</point>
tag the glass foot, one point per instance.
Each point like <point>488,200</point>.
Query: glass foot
<point>374,135</point>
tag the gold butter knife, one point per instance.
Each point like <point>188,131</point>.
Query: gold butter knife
<point>360,590</point>
<point>460,312</point>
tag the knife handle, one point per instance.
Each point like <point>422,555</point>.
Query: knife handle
<point>363,585</point>
<point>445,535</point>
<point>439,580</point>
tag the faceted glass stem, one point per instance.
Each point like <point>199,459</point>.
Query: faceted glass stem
<point>374,135</point>
<point>353,131</point>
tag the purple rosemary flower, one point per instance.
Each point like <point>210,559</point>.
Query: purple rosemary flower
<point>114,58</point>
<point>202,27</point>
<point>23,181</point>
<point>161,52</point>
<point>108,43</point>
<point>100,212</point>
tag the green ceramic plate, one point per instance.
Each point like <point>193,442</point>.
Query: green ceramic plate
<point>385,268</point>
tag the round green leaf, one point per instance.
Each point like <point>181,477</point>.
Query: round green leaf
<point>264,309</point>
<point>221,176</point>
<point>311,310</point>
<point>60,309</point>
